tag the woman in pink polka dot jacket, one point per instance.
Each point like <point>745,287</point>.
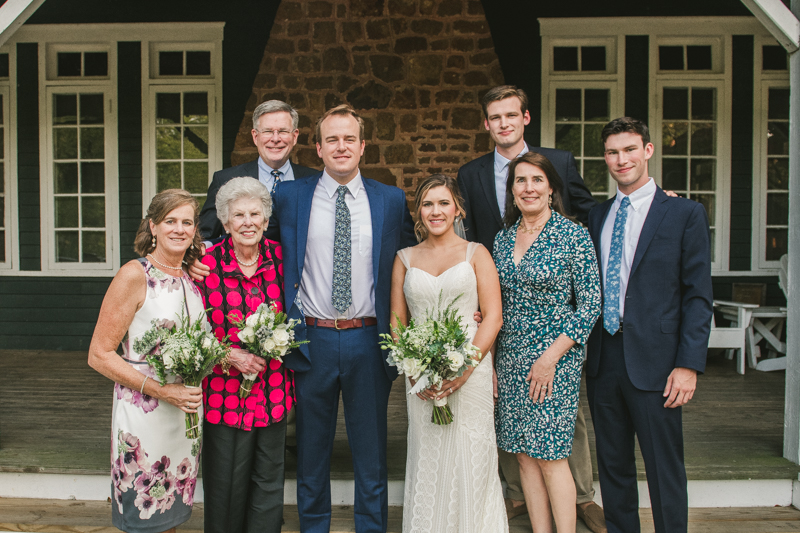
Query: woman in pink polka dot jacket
<point>243,439</point>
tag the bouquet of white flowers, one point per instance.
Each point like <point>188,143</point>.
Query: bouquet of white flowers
<point>268,334</point>
<point>187,350</point>
<point>430,351</point>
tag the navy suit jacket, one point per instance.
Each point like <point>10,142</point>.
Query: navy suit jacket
<point>476,182</point>
<point>392,230</point>
<point>668,302</point>
<point>210,226</point>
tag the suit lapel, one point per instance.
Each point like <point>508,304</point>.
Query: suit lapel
<point>487,183</point>
<point>251,169</point>
<point>304,200</point>
<point>376,213</point>
<point>654,216</point>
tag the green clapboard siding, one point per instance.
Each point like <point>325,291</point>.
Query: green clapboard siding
<point>28,155</point>
<point>129,91</point>
<point>637,76</point>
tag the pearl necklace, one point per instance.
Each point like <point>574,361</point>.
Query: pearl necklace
<point>159,263</point>
<point>245,264</point>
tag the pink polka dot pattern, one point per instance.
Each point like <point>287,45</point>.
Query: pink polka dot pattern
<point>233,296</point>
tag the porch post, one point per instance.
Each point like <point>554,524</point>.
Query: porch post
<point>791,433</point>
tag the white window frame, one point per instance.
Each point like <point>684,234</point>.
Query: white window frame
<point>51,60</point>
<point>49,263</point>
<point>717,44</point>
<point>10,149</point>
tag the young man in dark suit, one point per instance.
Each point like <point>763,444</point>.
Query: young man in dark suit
<point>274,134</point>
<point>483,186</point>
<point>646,350</point>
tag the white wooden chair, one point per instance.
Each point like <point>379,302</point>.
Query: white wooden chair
<point>732,338</point>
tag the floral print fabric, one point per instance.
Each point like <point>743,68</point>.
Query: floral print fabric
<point>537,295</point>
<point>229,294</point>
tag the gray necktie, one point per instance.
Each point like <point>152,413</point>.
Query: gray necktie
<point>342,296</point>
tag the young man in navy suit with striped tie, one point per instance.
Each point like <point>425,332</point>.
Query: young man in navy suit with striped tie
<point>645,352</point>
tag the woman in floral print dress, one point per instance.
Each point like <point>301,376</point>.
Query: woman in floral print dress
<point>543,260</point>
<point>153,465</point>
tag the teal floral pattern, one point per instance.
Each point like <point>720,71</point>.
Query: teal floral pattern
<point>537,308</point>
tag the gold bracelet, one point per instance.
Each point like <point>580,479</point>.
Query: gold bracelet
<point>225,365</point>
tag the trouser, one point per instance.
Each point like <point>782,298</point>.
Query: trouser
<point>351,362</point>
<point>580,464</point>
<point>621,412</point>
<point>243,478</point>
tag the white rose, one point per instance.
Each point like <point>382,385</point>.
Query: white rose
<point>281,336</point>
<point>411,367</point>
<point>247,335</point>
<point>207,343</point>
<point>168,358</point>
<point>252,320</point>
<point>456,360</point>
<point>268,345</point>
<point>282,350</point>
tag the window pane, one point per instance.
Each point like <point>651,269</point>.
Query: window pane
<point>168,176</point>
<point>778,138</point>
<point>195,177</point>
<point>565,58</point>
<point>704,173</point>
<point>93,179</point>
<point>777,209</point>
<point>698,57</point>
<point>93,212</point>
<point>94,246</point>
<point>95,64</point>
<point>68,63</point>
<point>674,138</point>
<point>198,63</point>
<point>195,143</point>
<point>4,66</point>
<point>65,143</point>
<point>568,137</point>
<point>713,235</point>
<point>703,138</point>
<point>66,212</point>
<point>774,58</point>
<point>2,246</point>
<point>168,108</point>
<point>673,174</point>
<point>670,57</point>
<point>596,104</point>
<point>778,173</point>
<point>168,143</point>
<point>704,106</point>
<point>568,105</point>
<point>593,140</point>
<point>201,199</point>
<point>593,58</point>
<point>65,109</point>
<point>67,246</point>
<point>195,108</point>
<point>2,144</point>
<point>92,109</point>
<point>777,240</point>
<point>92,145</point>
<point>66,178</point>
<point>595,175</point>
<point>2,178</point>
<point>676,104</point>
<point>778,103</point>
<point>170,63</point>
<point>708,202</point>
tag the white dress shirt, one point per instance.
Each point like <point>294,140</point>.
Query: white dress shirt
<point>316,283</point>
<point>640,201</point>
<point>501,176</point>
<point>265,173</point>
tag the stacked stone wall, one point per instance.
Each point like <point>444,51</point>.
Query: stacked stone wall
<point>414,69</point>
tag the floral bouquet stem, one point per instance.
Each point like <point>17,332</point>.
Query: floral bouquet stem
<point>441,415</point>
<point>192,420</point>
<point>247,385</point>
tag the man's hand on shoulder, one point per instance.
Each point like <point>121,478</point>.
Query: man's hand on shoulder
<point>672,194</point>
<point>680,388</point>
<point>197,270</point>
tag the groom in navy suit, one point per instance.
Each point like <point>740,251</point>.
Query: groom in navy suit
<point>340,233</point>
<point>646,351</point>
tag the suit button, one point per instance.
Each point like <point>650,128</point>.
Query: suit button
<point>295,285</point>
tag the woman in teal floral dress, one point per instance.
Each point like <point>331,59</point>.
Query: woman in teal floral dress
<point>543,260</point>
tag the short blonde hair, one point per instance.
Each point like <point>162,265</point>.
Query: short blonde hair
<point>434,180</point>
<point>343,109</point>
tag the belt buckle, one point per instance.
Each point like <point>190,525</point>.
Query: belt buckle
<point>336,324</point>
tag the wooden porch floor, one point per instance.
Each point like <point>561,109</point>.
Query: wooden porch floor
<point>55,418</point>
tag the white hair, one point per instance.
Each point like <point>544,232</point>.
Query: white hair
<point>239,188</point>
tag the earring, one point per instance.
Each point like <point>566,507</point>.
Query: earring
<point>154,241</point>
<point>550,200</point>
<point>192,246</point>
<point>514,202</point>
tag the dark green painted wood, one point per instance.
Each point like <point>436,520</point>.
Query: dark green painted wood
<point>28,156</point>
<point>723,288</point>
<point>637,79</point>
<point>129,96</point>
<point>742,154</point>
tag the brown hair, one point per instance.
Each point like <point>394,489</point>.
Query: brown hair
<point>553,180</point>
<point>501,92</point>
<point>343,109</point>
<point>435,180</point>
<point>160,206</point>
<point>626,125</point>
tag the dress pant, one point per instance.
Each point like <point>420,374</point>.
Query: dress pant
<point>620,411</point>
<point>351,362</point>
<point>580,464</point>
<point>243,478</point>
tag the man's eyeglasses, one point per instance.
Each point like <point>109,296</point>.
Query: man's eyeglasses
<point>283,134</point>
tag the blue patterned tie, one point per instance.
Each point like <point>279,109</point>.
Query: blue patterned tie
<point>342,296</point>
<point>611,300</point>
<point>277,175</point>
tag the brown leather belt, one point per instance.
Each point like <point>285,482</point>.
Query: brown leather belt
<point>341,323</point>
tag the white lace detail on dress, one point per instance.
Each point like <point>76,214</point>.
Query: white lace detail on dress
<point>452,484</point>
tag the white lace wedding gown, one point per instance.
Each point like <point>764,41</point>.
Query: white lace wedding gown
<point>452,484</point>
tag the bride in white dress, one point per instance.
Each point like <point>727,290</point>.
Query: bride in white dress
<point>452,482</point>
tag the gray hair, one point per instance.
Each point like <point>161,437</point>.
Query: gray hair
<point>275,106</point>
<point>239,188</point>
